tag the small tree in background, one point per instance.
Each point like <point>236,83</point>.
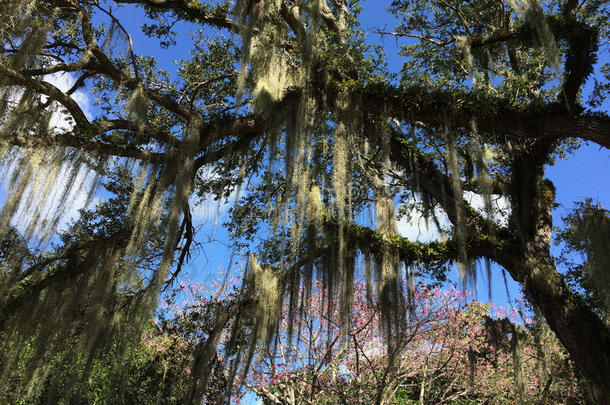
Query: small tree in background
<point>450,349</point>
<point>585,254</point>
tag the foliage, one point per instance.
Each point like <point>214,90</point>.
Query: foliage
<point>584,254</point>
<point>154,366</point>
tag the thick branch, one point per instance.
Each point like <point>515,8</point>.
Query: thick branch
<point>190,11</point>
<point>80,143</point>
<point>431,253</point>
<point>493,116</point>
<point>48,90</point>
<point>137,127</point>
<point>247,129</point>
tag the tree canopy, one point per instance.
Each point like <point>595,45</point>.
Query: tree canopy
<point>289,108</point>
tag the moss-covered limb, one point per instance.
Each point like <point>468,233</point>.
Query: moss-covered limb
<point>143,132</point>
<point>131,83</point>
<point>494,116</point>
<point>483,237</point>
<point>419,169</point>
<point>431,253</point>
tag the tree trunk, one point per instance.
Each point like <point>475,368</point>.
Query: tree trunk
<point>583,334</point>
<point>579,329</point>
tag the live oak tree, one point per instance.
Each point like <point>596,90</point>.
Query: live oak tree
<point>286,104</point>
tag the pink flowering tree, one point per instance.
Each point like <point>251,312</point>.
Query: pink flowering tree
<point>449,349</point>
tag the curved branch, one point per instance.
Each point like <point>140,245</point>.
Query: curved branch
<point>431,253</point>
<point>190,11</point>
<point>138,127</point>
<point>48,90</point>
<point>70,140</point>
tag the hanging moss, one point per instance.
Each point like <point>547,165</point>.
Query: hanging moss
<point>268,296</point>
<point>137,106</point>
<point>536,18</point>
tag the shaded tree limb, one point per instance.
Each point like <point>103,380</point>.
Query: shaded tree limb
<point>34,282</point>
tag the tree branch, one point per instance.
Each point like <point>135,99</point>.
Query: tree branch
<point>494,116</point>
<point>190,11</point>
<point>33,281</point>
